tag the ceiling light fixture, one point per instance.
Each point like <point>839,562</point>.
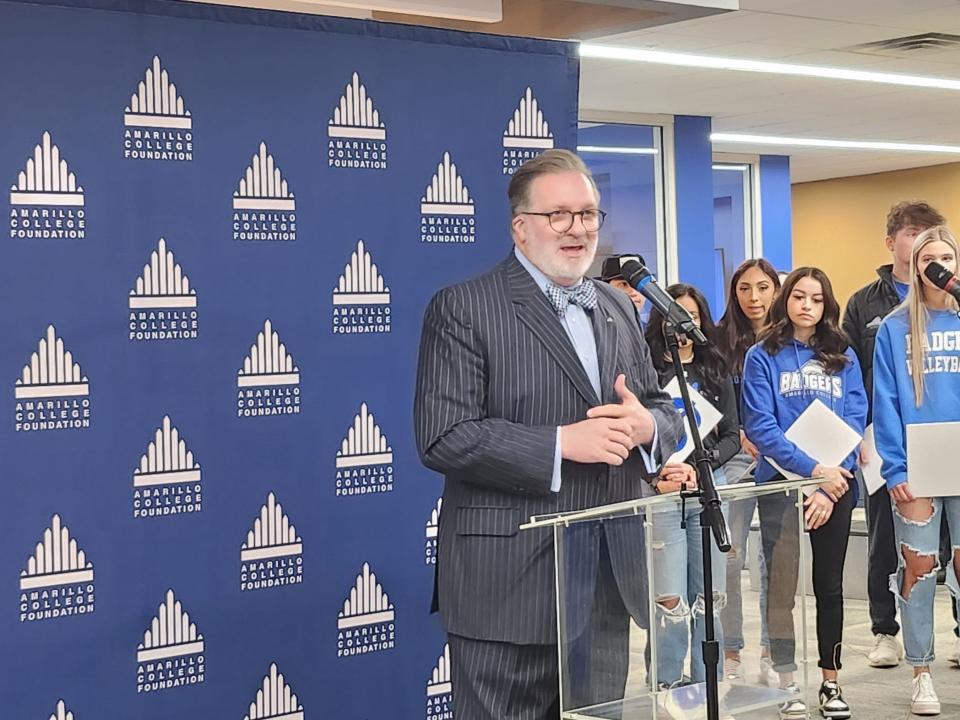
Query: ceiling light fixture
<point>662,57</point>
<point>829,143</point>
<point>617,150</point>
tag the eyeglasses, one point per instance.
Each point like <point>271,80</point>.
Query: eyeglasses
<point>562,220</point>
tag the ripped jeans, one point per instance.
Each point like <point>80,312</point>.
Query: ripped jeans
<point>678,588</point>
<point>922,537</point>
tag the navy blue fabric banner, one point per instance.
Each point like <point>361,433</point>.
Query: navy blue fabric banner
<point>223,227</point>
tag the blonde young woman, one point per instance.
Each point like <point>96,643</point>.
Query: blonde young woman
<point>916,379</point>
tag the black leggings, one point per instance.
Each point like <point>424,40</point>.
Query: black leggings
<point>779,532</point>
<point>829,554</point>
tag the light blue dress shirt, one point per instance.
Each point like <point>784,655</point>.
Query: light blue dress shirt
<point>579,329</point>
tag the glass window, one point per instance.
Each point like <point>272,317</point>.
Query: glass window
<point>732,223</point>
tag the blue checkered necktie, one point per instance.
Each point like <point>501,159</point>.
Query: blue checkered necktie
<point>584,295</point>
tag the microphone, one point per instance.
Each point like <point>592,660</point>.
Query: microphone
<point>943,279</point>
<point>676,315</point>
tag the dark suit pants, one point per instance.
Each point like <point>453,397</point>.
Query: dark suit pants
<point>505,681</point>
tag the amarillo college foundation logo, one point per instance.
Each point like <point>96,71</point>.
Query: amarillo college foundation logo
<point>526,136</point>
<point>364,460</point>
<point>58,581</point>
<point>46,202</point>
<point>440,689</point>
<point>61,712</point>
<point>171,654</point>
<point>51,392</point>
<point>357,136</point>
<point>163,306</point>
<point>367,622</point>
<point>269,382</point>
<point>157,126</point>
<point>361,300</point>
<point>446,208</point>
<point>275,700</point>
<point>433,529</point>
<point>168,479</point>
<point>272,555</point>
<point>263,206</point>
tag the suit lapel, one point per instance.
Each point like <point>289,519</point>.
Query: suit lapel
<point>535,311</point>
<point>605,330</point>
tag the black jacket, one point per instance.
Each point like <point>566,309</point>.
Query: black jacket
<point>865,310</point>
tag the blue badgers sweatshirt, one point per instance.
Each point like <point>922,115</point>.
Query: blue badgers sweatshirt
<point>894,405</point>
<point>778,388</point>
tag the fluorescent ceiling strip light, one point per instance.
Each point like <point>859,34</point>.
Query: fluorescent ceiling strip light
<point>617,150</point>
<point>662,57</point>
<point>827,143</point>
<point>738,168</point>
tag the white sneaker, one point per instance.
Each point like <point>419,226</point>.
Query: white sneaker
<point>887,652</point>
<point>732,670</point>
<point>924,700</point>
<point>768,676</point>
<point>954,656</point>
<point>794,708</point>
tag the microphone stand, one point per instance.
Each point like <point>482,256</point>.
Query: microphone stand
<point>711,523</point>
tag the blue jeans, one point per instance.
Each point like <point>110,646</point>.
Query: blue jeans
<point>739,517</point>
<point>678,577</point>
<point>916,610</point>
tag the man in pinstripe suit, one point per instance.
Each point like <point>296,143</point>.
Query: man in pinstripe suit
<point>535,394</point>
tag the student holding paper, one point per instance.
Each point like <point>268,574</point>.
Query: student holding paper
<point>679,609</point>
<point>916,380</point>
<point>753,287</point>
<point>802,356</point>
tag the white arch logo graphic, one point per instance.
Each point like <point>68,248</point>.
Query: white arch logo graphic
<point>156,103</point>
<point>262,186</point>
<point>51,372</point>
<point>368,604</point>
<point>433,524</point>
<point>56,560</point>
<point>446,194</point>
<point>162,284</point>
<point>528,128</point>
<point>268,362</point>
<point>275,700</point>
<point>46,179</point>
<point>364,444</point>
<point>356,117</point>
<point>360,282</point>
<point>440,679</point>
<point>171,633</point>
<point>272,535</point>
<point>167,459</point>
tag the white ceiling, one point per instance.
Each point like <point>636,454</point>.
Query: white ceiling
<point>811,32</point>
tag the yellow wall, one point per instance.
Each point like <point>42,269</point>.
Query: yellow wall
<point>839,225</point>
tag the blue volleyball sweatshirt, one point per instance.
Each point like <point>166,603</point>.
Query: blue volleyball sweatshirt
<point>894,406</point>
<point>778,388</point>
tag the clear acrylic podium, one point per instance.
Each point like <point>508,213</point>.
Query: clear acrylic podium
<point>628,610</point>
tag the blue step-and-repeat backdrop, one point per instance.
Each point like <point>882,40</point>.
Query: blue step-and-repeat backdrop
<point>223,227</point>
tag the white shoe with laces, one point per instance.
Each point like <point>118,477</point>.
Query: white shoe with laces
<point>887,651</point>
<point>733,670</point>
<point>832,704</point>
<point>794,708</point>
<point>924,700</point>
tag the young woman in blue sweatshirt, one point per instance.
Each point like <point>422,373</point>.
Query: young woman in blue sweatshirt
<point>916,379</point>
<point>802,356</point>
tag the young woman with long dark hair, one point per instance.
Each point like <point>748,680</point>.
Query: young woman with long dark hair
<point>753,287</point>
<point>803,356</point>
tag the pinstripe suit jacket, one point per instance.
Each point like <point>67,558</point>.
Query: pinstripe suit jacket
<point>497,374</point>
